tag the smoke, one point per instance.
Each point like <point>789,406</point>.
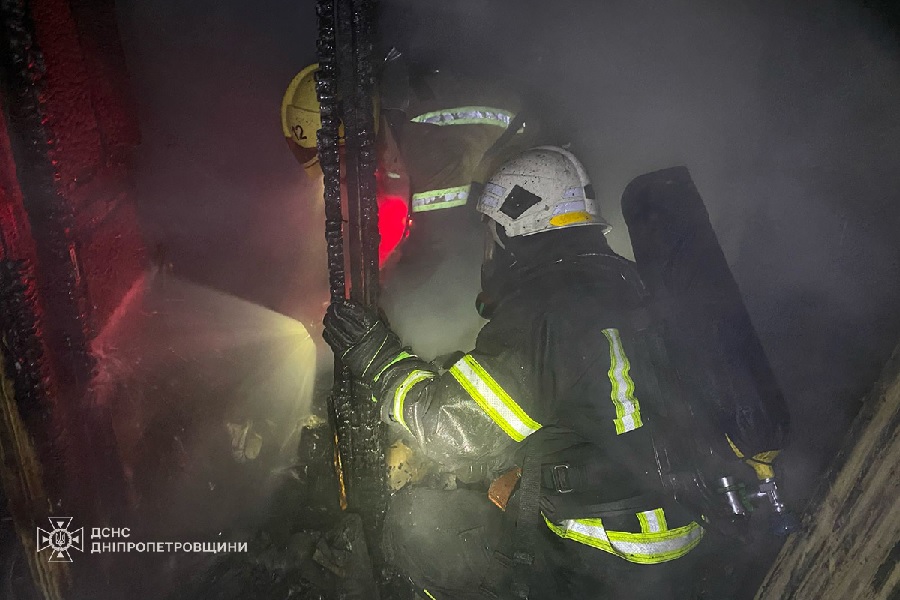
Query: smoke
<point>218,187</point>
<point>784,113</point>
<point>207,394</point>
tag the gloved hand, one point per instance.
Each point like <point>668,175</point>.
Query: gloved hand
<point>362,340</point>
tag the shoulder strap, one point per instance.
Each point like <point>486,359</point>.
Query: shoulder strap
<point>528,522</point>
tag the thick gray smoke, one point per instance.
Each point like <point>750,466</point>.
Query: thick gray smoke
<point>207,382</point>
<point>785,114</point>
<point>217,183</point>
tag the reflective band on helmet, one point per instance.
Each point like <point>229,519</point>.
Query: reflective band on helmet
<point>628,410</point>
<point>402,390</point>
<point>492,399</point>
<point>652,521</point>
<point>466,115</point>
<point>643,548</point>
<point>438,199</point>
<point>571,218</point>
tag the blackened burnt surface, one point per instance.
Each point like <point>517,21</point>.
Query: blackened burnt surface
<point>81,449</point>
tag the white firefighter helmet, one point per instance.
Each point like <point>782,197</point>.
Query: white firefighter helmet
<point>542,189</point>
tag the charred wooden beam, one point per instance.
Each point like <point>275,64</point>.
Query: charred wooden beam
<point>848,546</point>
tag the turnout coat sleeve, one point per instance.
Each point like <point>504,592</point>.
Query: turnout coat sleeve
<point>476,411</point>
<point>572,356</point>
<point>562,356</point>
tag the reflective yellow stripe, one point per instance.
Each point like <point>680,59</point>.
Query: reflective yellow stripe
<point>427,593</point>
<point>652,521</point>
<point>403,354</point>
<point>400,394</point>
<point>493,399</point>
<point>643,548</point>
<point>438,199</point>
<point>466,115</point>
<point>628,410</point>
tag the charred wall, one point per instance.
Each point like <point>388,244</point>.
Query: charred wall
<point>69,233</point>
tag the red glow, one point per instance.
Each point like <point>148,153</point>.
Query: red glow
<point>392,221</point>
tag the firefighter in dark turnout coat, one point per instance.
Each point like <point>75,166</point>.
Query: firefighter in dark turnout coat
<point>560,368</point>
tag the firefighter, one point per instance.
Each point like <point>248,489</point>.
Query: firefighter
<point>435,130</point>
<point>444,125</point>
<point>553,404</point>
<point>450,131</point>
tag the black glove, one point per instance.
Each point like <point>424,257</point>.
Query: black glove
<point>362,340</point>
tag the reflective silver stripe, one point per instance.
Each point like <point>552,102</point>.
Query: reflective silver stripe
<point>402,390</point>
<point>652,521</point>
<point>466,115</point>
<point>492,399</point>
<point>438,199</point>
<point>644,548</point>
<point>628,409</point>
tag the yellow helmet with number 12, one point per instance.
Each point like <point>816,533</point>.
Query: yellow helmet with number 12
<point>300,119</point>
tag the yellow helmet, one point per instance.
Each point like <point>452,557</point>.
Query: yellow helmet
<point>300,119</point>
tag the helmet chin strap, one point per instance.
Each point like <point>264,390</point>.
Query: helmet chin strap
<point>493,225</point>
<point>495,273</point>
